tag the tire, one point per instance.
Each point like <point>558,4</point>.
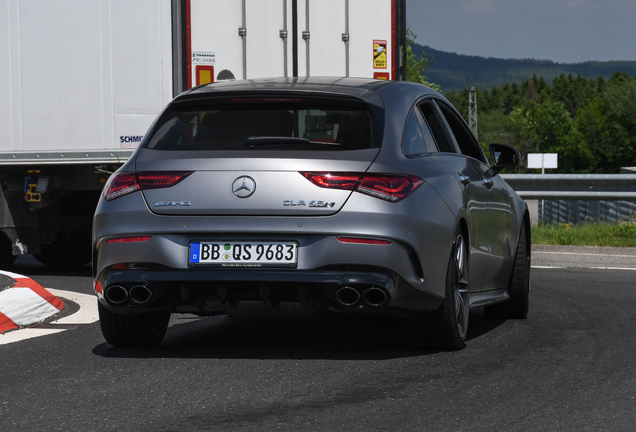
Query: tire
<point>141,330</point>
<point>69,250</point>
<point>517,306</point>
<point>446,328</point>
<point>6,251</point>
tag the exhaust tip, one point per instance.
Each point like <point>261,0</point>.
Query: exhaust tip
<point>140,294</point>
<point>348,296</point>
<point>116,294</point>
<point>375,296</point>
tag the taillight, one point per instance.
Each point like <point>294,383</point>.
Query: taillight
<point>121,184</point>
<point>344,181</point>
<point>388,187</point>
<point>158,180</point>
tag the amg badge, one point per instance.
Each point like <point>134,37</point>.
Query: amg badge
<point>172,204</point>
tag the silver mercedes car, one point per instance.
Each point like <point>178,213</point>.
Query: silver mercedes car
<point>286,197</point>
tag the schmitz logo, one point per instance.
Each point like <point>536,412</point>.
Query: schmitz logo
<point>130,141</point>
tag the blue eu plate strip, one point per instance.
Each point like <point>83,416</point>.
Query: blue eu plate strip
<point>195,252</point>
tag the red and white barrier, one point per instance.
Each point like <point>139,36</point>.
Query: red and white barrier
<point>26,303</point>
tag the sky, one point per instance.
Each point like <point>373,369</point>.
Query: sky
<point>564,31</point>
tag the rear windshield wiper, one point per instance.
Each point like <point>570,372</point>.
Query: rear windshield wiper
<point>255,141</point>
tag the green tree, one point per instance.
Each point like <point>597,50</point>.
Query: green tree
<point>548,128</point>
<point>594,126</point>
<point>590,123</point>
<point>620,102</point>
<point>620,98</point>
<point>417,66</point>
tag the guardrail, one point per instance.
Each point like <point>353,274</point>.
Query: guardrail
<point>609,187</point>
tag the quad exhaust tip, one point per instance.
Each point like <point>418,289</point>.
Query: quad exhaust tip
<point>372,296</point>
<point>140,294</point>
<point>118,295</point>
<point>348,296</point>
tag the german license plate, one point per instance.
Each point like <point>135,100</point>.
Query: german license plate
<point>243,254</point>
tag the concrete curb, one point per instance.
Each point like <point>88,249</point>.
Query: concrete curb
<point>586,257</point>
<point>587,250</point>
<point>26,303</point>
<point>86,314</point>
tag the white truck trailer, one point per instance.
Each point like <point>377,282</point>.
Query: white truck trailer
<point>82,80</point>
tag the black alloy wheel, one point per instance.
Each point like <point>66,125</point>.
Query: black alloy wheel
<point>140,330</point>
<point>516,307</point>
<point>447,327</point>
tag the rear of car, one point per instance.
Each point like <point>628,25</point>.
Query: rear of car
<point>265,200</point>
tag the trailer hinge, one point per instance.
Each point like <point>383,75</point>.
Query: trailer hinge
<point>283,34</point>
<point>242,31</point>
<point>305,35</point>
<point>345,37</point>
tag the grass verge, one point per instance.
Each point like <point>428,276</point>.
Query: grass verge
<point>585,234</point>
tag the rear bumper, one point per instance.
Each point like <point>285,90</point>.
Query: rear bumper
<point>211,291</point>
<point>419,229</point>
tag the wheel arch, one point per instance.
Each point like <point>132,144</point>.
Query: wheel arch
<point>528,225</point>
<point>462,223</point>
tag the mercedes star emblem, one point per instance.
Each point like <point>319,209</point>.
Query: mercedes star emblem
<point>244,186</point>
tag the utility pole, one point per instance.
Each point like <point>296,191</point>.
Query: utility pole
<point>472,110</point>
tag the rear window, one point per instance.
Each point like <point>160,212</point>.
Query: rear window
<point>264,124</point>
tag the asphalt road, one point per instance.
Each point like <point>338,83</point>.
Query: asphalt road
<point>568,367</point>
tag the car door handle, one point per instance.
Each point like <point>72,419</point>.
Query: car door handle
<point>464,179</point>
<point>488,183</point>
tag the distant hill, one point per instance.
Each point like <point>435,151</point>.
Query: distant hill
<point>453,71</point>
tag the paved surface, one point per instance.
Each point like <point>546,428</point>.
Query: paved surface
<point>568,367</point>
<point>6,281</point>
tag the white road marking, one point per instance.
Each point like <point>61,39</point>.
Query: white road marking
<point>595,268</point>
<point>613,268</point>
<point>86,314</point>
<point>586,254</point>
<point>13,275</point>
<point>27,333</point>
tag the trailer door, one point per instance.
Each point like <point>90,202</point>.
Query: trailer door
<point>247,39</point>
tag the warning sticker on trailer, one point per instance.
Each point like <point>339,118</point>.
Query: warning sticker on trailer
<point>204,58</point>
<point>379,54</point>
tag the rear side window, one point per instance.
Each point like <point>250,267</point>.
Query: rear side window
<point>417,137</point>
<point>467,144</point>
<point>429,110</point>
<point>248,125</point>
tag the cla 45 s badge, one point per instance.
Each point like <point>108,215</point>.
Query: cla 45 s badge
<point>301,203</point>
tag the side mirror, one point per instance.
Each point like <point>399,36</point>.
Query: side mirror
<point>503,156</point>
